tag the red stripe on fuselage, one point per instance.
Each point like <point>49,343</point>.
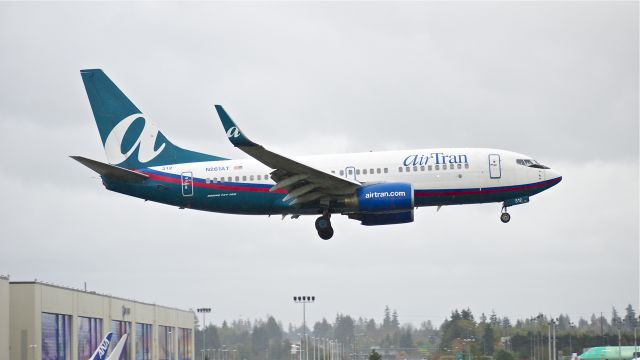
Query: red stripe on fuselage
<point>486,191</point>
<point>171,180</point>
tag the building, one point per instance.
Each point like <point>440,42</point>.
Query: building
<point>50,322</point>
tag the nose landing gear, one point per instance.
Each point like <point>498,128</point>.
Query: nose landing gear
<point>505,217</point>
<point>323,226</point>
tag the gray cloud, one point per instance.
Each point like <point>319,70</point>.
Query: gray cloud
<point>556,81</point>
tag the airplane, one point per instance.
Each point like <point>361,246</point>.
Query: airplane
<point>101,351</point>
<point>375,188</point>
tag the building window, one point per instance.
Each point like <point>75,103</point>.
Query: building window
<point>184,344</point>
<point>89,336</point>
<point>165,342</point>
<point>119,328</point>
<point>56,337</point>
<point>143,341</point>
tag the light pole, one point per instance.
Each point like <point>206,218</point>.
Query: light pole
<point>170,344</point>
<point>34,347</point>
<point>571,327</point>
<point>203,311</point>
<point>304,300</point>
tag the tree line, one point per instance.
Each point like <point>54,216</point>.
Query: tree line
<point>488,335</point>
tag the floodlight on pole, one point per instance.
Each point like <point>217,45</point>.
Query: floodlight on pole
<point>304,300</point>
<point>203,311</point>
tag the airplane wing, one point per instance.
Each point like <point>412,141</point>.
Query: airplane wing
<point>303,183</point>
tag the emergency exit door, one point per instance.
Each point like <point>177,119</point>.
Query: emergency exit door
<point>495,170</point>
<point>187,183</point>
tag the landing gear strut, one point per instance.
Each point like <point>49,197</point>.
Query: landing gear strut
<point>323,225</point>
<point>505,217</point>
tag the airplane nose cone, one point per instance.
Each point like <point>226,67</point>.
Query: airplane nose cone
<point>553,175</point>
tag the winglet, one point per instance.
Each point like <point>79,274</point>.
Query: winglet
<point>234,134</point>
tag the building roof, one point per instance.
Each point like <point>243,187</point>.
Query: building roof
<point>42,283</point>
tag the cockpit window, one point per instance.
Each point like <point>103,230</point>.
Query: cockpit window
<point>531,163</point>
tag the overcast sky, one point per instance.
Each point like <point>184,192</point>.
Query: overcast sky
<point>556,81</point>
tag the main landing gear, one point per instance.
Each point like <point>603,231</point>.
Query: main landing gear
<point>323,225</point>
<point>505,217</point>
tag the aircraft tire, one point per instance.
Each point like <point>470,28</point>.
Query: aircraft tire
<point>505,217</point>
<point>323,223</point>
<point>326,234</point>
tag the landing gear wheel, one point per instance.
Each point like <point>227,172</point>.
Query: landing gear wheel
<point>323,225</point>
<point>505,217</point>
<point>326,234</point>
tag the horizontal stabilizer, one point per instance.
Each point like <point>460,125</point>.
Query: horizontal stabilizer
<point>111,171</point>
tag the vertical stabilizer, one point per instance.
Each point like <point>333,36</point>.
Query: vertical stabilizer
<point>101,351</point>
<point>129,139</point>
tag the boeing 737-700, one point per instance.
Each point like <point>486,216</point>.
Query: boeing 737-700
<point>375,188</point>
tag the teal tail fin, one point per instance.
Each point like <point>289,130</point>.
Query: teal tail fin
<point>130,140</point>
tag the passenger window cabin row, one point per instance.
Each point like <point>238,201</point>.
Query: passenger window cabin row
<point>431,167</point>
<point>371,171</point>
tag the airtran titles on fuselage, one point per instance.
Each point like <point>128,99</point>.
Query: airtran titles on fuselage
<point>435,158</point>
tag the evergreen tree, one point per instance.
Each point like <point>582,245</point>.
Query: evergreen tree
<point>630,318</point>
<point>488,341</point>
<point>395,323</point>
<point>506,323</point>
<point>466,314</point>
<point>344,329</point>
<point>483,318</point>
<point>493,319</point>
<point>615,318</point>
<point>374,355</point>
<point>386,322</point>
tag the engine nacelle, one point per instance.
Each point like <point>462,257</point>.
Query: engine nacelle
<point>384,198</point>
<point>384,219</point>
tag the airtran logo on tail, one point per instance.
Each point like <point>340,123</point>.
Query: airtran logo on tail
<point>233,132</point>
<point>145,142</point>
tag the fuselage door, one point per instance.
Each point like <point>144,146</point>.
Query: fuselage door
<point>350,172</point>
<point>187,183</point>
<point>495,170</point>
